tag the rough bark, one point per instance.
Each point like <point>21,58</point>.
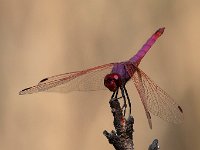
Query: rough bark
<point>122,137</point>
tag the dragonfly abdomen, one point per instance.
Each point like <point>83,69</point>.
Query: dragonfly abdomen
<point>145,48</point>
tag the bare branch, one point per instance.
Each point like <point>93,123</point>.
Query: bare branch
<point>122,137</point>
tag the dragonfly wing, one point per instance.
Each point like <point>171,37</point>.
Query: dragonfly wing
<point>154,99</point>
<point>87,80</point>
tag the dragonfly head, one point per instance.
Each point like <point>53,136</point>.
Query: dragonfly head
<point>112,81</point>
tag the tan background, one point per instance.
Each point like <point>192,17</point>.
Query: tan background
<point>40,38</point>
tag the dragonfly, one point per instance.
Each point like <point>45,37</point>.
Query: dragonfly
<point>114,76</point>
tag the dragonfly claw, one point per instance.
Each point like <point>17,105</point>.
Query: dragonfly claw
<point>124,108</point>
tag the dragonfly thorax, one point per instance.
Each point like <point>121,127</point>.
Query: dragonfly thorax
<point>113,81</point>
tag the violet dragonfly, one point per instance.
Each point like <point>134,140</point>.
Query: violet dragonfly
<point>114,76</point>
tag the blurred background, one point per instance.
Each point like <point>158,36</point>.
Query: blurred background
<point>41,38</point>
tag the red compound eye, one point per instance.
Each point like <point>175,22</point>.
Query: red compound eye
<point>112,81</point>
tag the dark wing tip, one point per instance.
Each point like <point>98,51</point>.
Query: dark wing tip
<point>149,119</point>
<point>45,79</point>
<point>181,110</point>
<point>24,91</point>
<point>33,89</point>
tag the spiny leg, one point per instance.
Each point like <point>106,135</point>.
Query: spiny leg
<point>124,97</point>
<point>115,93</point>
<point>129,102</point>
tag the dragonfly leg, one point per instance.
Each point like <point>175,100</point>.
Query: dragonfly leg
<point>129,102</point>
<point>124,97</point>
<point>114,95</point>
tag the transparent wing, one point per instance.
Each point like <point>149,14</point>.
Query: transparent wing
<point>87,80</point>
<point>154,99</point>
